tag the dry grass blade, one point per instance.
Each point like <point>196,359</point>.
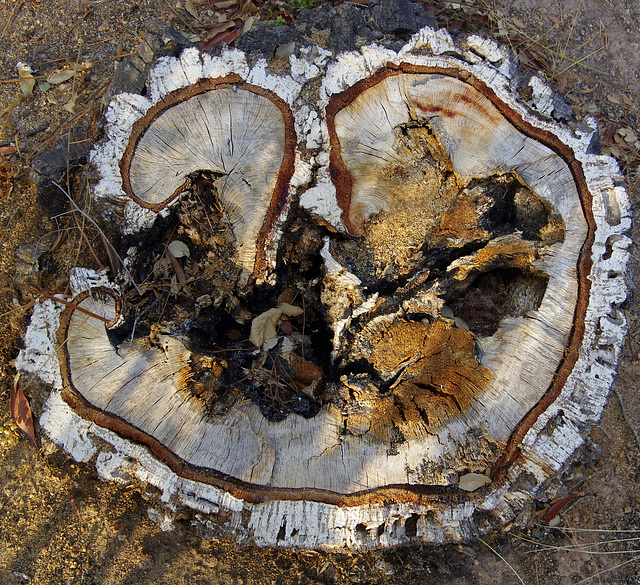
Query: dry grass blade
<point>493,550</point>
<point>6,113</point>
<point>607,570</point>
<point>88,217</point>
<point>14,12</point>
<point>585,547</point>
<point>592,550</point>
<point>63,302</point>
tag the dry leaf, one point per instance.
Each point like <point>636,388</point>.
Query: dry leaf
<point>178,249</point>
<point>228,37</point>
<point>61,76</point>
<point>224,4</point>
<point>44,86</point>
<point>290,310</point>
<point>269,343</point>
<point>114,259</point>
<point>628,134</point>
<point>215,29</point>
<point>612,150</point>
<point>626,100</point>
<point>181,278</point>
<point>247,8</point>
<point>552,513</point>
<point>27,82</point>
<point>248,24</point>
<point>21,411</point>
<point>614,99</point>
<point>7,150</point>
<point>472,481</point>
<point>190,8</point>
<point>263,327</point>
<point>70,106</point>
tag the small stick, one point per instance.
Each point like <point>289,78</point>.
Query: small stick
<point>63,302</point>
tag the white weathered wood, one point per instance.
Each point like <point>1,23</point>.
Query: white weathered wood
<point>234,133</point>
<point>146,386</point>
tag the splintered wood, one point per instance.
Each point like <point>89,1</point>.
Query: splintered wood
<point>409,316</point>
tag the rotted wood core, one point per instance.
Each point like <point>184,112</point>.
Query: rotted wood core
<point>394,357</point>
<point>436,374</point>
<point>211,310</point>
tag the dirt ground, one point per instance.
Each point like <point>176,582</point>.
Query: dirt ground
<point>60,524</point>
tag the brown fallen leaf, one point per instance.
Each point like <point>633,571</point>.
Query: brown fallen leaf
<point>21,411</point>
<point>553,510</point>
<point>114,259</point>
<point>228,37</point>
<point>182,280</point>
<point>626,100</point>
<point>63,75</point>
<point>7,150</point>
<point>215,29</point>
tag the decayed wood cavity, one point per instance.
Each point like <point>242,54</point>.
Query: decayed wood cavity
<point>451,314</point>
<point>438,378</point>
<point>455,199</point>
<point>241,134</point>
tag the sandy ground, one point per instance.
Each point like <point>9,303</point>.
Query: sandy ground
<point>60,524</point>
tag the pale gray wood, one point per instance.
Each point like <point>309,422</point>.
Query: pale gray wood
<point>236,133</point>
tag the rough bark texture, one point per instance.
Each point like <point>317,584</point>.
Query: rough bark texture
<point>481,292</point>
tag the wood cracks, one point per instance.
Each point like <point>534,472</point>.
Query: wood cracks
<point>424,250</point>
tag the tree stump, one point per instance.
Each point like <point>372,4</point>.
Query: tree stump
<point>389,306</point>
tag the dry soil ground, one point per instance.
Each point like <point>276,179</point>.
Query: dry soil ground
<point>60,524</point>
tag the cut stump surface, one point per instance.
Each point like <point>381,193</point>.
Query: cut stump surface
<point>415,315</point>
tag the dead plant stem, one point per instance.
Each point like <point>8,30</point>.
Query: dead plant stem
<point>73,203</point>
